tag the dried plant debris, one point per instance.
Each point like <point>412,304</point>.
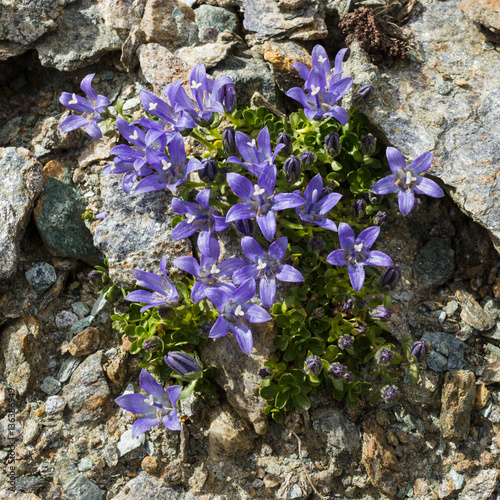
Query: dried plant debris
<point>374,37</point>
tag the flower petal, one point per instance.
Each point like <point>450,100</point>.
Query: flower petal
<point>324,222</point>
<point>385,186</point>
<point>244,274</point>
<point>150,385</point>
<point>217,297</point>
<point>406,200</point>
<point>396,160</point>
<point>267,291</point>
<point>86,86</point>
<point>174,392</point>
<point>368,236</point>
<point>323,206</point>
<point>264,142</point>
<point>429,187</point>
<point>346,236</point>
<point>253,251</point>
<point>241,186</point>
<point>282,201</point>
<point>220,329</point>
<point>73,122</point>
<point>277,249</point>
<point>135,403</point>
<point>299,95</point>
<point>256,314</point>
<point>150,280</point>
<point>142,425</point>
<point>229,266</point>
<point>241,211</point>
<point>357,276</point>
<point>339,113</point>
<point>184,230</point>
<point>245,292</point>
<point>421,164</point>
<point>189,265</point>
<point>171,421</point>
<point>267,224</point>
<point>289,273</point>
<point>198,291</point>
<point>337,258</point>
<point>243,335</point>
<point>376,258</point>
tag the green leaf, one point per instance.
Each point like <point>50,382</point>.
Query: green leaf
<point>269,392</point>
<point>281,399</point>
<point>277,416</point>
<point>301,401</point>
<point>413,375</point>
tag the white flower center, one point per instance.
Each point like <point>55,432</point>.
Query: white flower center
<point>252,144</point>
<point>315,90</point>
<point>150,400</point>
<point>261,265</point>
<point>214,269</point>
<point>152,106</point>
<point>410,178</point>
<point>134,136</point>
<point>258,190</point>
<point>74,100</point>
<point>195,85</point>
<point>315,195</point>
<point>321,59</point>
<point>166,165</point>
<point>190,218</point>
<point>238,311</point>
<point>359,247</point>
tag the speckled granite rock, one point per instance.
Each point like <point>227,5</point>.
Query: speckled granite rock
<point>210,54</point>
<point>480,487</point>
<point>121,14</point>
<point>214,20</point>
<point>18,345</point>
<point>80,38</point>
<point>87,393</point>
<point>444,101</point>
<point>485,12</point>
<point>458,396</point>
<point>301,20</point>
<point>21,23</point>
<point>434,263</point>
<point>146,486</point>
<point>137,232</point>
<point>21,178</point>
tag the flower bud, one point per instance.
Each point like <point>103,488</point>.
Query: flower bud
<point>389,392</point>
<point>286,139</point>
<point>380,313</point>
<point>244,226</point>
<point>376,199</point>
<point>392,276</point>
<point>313,365</point>
<point>182,363</point>
<point>358,208</point>
<point>363,94</point>
<point>348,303</point>
<point>379,218</point>
<point>228,141</point>
<point>332,145</point>
<point>94,276</point>
<point>384,356</point>
<point>345,341</point>
<point>306,159</point>
<point>227,97</point>
<point>420,350</point>
<point>368,144</point>
<point>209,170</point>
<point>360,327</point>
<point>316,244</point>
<point>291,168</point>
<point>265,373</point>
<point>348,377</point>
<point>151,344</point>
<point>337,370</point>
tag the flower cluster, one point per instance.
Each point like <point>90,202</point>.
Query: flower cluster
<point>280,186</point>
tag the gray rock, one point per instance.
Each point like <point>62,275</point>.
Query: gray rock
<point>268,19</point>
<point>41,276</point>
<point>137,233</point>
<point>50,386</point>
<point>29,484</point>
<point>87,393</point>
<point>210,54</point>
<point>211,19</point>
<point>54,404</point>
<point>120,14</point>
<point>80,309</point>
<point>110,455</point>
<point>21,178</point>
<point>18,345</point>
<point>250,74</point>
<point>481,487</point>
<point>82,488</point>
<point>68,366</point>
<point>10,431</point>
<point>146,486</point>
<point>80,38</point>
<point>31,431</point>
<point>127,443</point>
<point>473,314</point>
<point>49,136</point>
<point>447,352</point>
<point>65,320</point>
<point>339,434</point>
<point>492,307</point>
<point>85,464</point>
<point>461,128</point>
<point>435,263</point>
<point>22,23</point>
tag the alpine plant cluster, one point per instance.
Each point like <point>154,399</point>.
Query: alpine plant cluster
<point>282,193</point>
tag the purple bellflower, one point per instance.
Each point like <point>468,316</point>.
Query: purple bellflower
<point>407,180</point>
<point>355,254</point>
<point>158,407</point>
<point>236,313</point>
<point>267,267</point>
<point>324,87</point>
<point>257,155</point>
<point>200,216</point>
<point>209,96</point>
<point>163,292</point>
<point>208,273</point>
<point>91,109</point>
<point>183,364</point>
<point>260,201</point>
<point>314,209</point>
<point>172,169</point>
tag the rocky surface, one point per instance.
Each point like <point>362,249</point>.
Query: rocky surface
<point>442,96</point>
<point>21,185</point>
